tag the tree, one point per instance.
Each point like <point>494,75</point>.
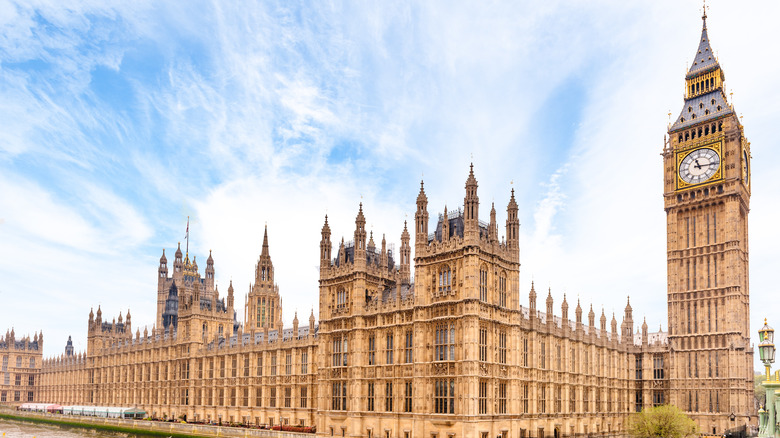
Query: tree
<point>759,391</point>
<point>663,421</point>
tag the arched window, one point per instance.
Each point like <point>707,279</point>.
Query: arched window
<point>445,279</point>
<point>341,298</point>
<point>32,362</point>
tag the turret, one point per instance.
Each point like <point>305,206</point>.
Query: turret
<point>644,333</point>
<point>178,263</point>
<point>603,321</point>
<point>614,324</point>
<point>564,309</point>
<point>591,317</point>
<point>578,312</point>
<point>406,251</point>
<point>295,325</point>
<point>325,245</point>
<point>549,303</point>
<point>493,228</point>
<point>360,239</point>
<point>532,300</point>
<point>421,220</point>
<point>209,273</point>
<point>628,323</point>
<point>230,298</point>
<point>471,207</point>
<point>512,226</point>
<point>163,271</point>
<point>311,323</point>
<point>69,347</point>
<point>445,225</point>
<point>264,271</point>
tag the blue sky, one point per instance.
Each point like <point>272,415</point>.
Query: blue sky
<point>120,119</point>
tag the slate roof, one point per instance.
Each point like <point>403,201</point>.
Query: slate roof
<point>702,109</point>
<point>705,58</point>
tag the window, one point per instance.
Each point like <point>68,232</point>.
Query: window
<point>444,342</point>
<point>371,350</point>
<point>542,354</point>
<point>445,280</point>
<point>18,380</point>
<point>389,397</point>
<point>558,358</point>
<point>638,401</point>
<point>30,396</point>
<point>3,396</point>
<point>31,380</point>
<point>502,398</point>
<point>483,344</point>
<point>258,396</point>
<point>32,362</point>
<point>273,364</point>
<point>483,282</point>
<point>288,364</point>
<point>525,351</point>
<point>18,361</point>
<point>259,365</point>
<point>305,362</point>
<point>341,299</point>
<point>525,398</point>
<point>370,406</point>
<point>638,367</point>
<point>408,347</point>
<point>558,402</point>
<point>542,408</point>
<point>287,397</point>
<point>658,398</point>
<point>502,347</point>
<point>572,400</point>
<point>340,351</point>
<point>444,396</point>
<point>389,349</point>
<point>272,397</point>
<point>502,290</point>
<point>658,367</point>
<point>483,396</point>
<point>408,397</point>
<point>304,396</point>
<point>339,396</point>
<point>586,399</point>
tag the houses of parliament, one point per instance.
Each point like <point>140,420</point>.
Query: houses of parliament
<point>445,344</point>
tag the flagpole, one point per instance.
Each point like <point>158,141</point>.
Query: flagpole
<point>187,236</point>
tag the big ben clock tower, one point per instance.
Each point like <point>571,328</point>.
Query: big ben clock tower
<point>707,199</point>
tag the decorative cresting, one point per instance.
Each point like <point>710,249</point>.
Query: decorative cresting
<point>767,418</point>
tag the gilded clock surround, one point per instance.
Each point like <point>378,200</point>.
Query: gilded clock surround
<point>681,153</point>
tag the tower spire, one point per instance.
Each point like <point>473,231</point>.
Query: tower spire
<point>265,242</point>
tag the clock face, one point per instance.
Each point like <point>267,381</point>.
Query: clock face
<point>699,166</point>
<point>745,168</point>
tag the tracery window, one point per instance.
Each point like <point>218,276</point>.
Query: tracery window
<point>483,344</point>
<point>444,396</point>
<point>340,351</point>
<point>502,347</point>
<point>445,280</point>
<point>371,350</point>
<point>341,298</point>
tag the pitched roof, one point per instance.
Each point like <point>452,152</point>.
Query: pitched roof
<point>702,108</point>
<point>705,58</point>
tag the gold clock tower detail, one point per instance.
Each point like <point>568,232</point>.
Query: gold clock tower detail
<point>707,199</point>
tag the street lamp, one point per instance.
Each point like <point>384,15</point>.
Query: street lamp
<point>766,348</point>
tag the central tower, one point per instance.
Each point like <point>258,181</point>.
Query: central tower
<point>707,199</point>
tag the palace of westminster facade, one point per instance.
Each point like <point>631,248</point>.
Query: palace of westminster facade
<point>453,352</point>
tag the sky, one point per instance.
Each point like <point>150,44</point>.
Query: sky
<point>118,120</point>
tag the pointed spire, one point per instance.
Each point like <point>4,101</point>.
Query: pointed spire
<point>163,259</point>
<point>705,58</point>
<point>210,260</point>
<point>265,243</point>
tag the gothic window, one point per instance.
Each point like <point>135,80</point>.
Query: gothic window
<point>371,349</point>
<point>340,351</point>
<point>339,396</point>
<point>18,361</point>
<point>502,347</point>
<point>288,364</point>
<point>341,298</point>
<point>370,405</point>
<point>502,289</point>
<point>408,397</point>
<point>638,367</point>
<point>558,400</point>
<point>502,398</point>
<point>444,396</point>
<point>572,400</point>
<point>658,367</point>
<point>525,398</point>
<point>542,354</point>
<point>542,408</point>
<point>445,280</point>
<point>388,397</point>
<point>444,342</point>
<point>483,396</point>
<point>389,349</point>
<point>273,364</point>
<point>305,362</point>
<point>32,362</point>
<point>483,283</point>
<point>525,351</point>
